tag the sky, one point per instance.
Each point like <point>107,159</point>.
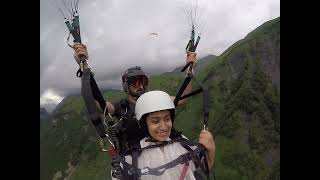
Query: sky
<point>117,35</point>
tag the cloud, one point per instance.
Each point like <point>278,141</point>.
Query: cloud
<point>116,33</point>
<point>50,99</point>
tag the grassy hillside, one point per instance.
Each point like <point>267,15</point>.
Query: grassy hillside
<point>244,116</point>
<point>71,142</point>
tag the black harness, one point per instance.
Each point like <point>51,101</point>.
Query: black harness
<point>128,131</point>
<point>118,133</point>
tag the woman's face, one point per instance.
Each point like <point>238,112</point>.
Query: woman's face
<point>159,125</point>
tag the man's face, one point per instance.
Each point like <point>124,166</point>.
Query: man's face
<point>136,87</point>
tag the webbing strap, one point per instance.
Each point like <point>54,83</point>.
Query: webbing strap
<point>205,97</point>
<point>191,94</point>
<point>96,92</point>
<point>184,171</point>
<point>159,145</point>
<point>90,103</point>
<point>182,88</point>
<point>182,159</point>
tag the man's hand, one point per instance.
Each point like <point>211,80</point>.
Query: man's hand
<point>191,57</point>
<point>80,51</point>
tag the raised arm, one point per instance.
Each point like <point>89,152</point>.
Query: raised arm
<point>80,51</point>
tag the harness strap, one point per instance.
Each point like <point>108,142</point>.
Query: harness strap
<point>90,93</point>
<point>205,105</point>
<point>182,88</point>
<point>197,158</point>
<point>90,103</point>
<point>135,163</point>
<point>184,171</point>
<point>159,145</point>
<point>191,94</point>
<point>205,97</point>
<point>186,165</point>
<point>186,144</point>
<point>96,92</point>
<point>206,167</point>
<point>182,159</point>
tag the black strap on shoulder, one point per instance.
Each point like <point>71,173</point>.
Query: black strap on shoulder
<point>135,156</point>
<point>158,145</point>
<point>90,103</point>
<point>96,92</point>
<point>125,108</point>
<point>91,93</point>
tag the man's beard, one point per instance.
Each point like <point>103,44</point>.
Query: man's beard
<point>136,94</point>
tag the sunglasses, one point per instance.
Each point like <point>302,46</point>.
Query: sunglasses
<point>136,81</point>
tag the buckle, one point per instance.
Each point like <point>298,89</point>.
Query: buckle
<point>145,170</point>
<point>184,158</point>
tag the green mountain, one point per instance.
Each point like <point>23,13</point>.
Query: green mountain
<point>244,87</point>
<point>44,121</point>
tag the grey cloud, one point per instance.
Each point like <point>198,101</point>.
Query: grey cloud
<point>116,33</point>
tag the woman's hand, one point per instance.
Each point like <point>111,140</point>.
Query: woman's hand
<point>206,139</point>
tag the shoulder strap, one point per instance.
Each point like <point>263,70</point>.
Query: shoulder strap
<point>200,159</point>
<point>96,92</point>
<point>135,155</point>
<point>158,171</point>
<point>159,145</point>
<point>89,100</point>
<point>124,105</point>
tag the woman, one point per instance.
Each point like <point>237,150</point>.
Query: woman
<point>159,152</point>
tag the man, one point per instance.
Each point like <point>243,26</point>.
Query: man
<point>134,82</point>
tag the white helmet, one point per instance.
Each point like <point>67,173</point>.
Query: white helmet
<point>153,101</point>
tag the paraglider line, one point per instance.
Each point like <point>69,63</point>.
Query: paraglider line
<point>67,8</point>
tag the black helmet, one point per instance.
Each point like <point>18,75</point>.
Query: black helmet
<point>132,72</point>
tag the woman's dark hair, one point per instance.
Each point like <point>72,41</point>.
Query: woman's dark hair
<point>143,124</point>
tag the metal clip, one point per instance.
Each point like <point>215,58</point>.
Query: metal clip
<point>108,137</point>
<point>145,170</point>
<point>205,127</point>
<point>190,68</point>
<point>81,65</point>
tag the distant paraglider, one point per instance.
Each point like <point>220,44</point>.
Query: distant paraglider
<point>153,34</point>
